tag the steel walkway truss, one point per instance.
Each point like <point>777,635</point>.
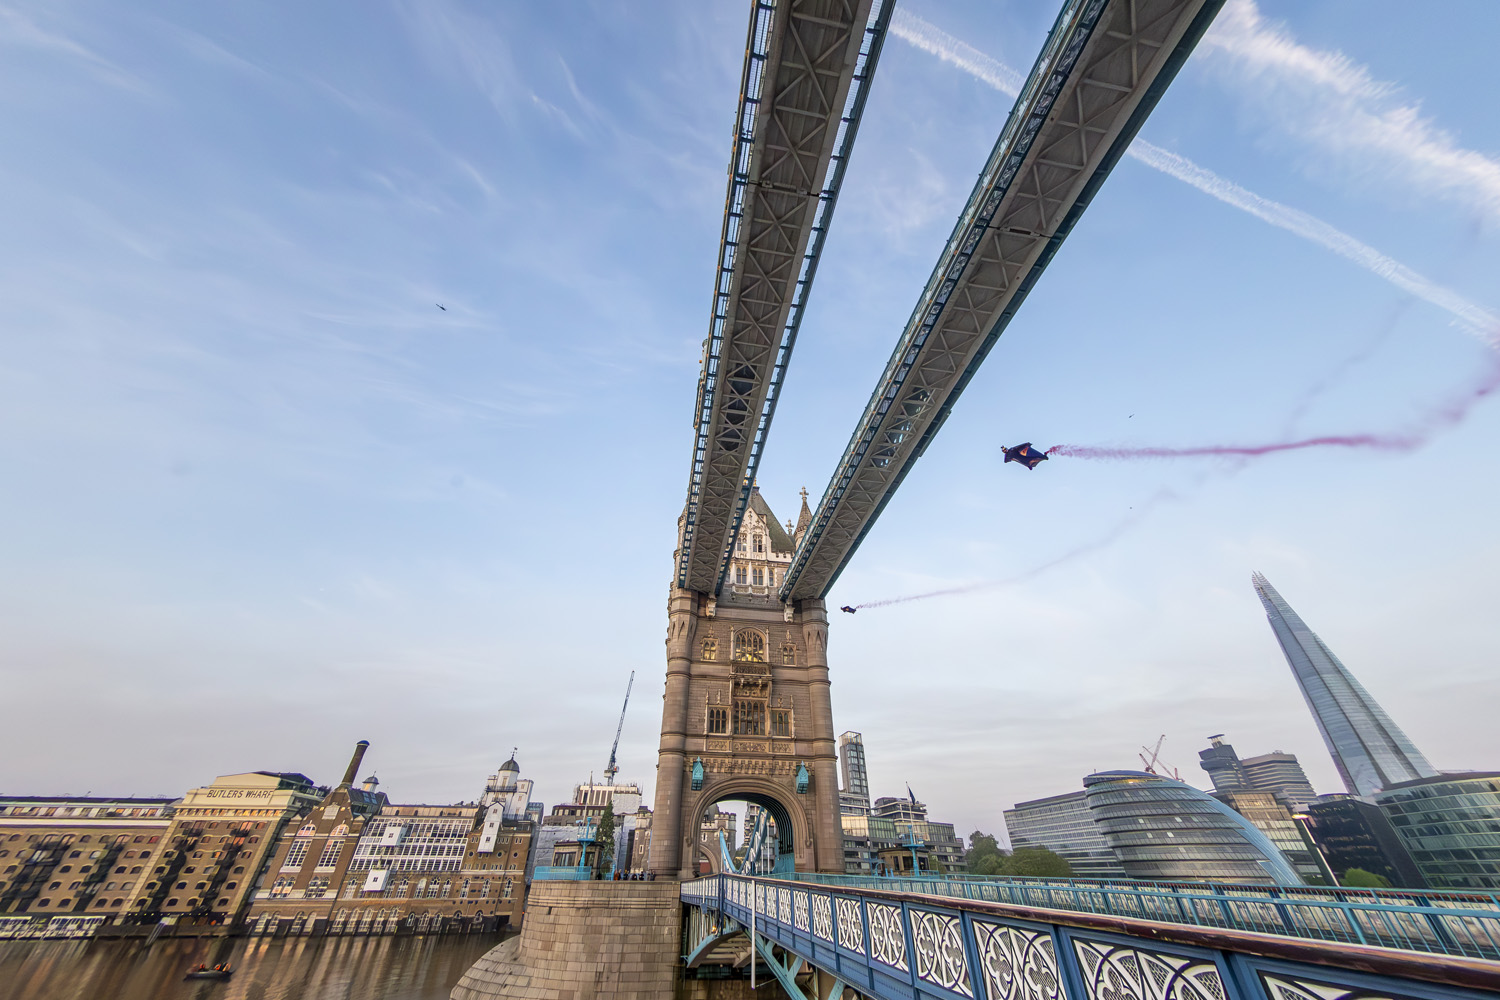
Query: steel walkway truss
<point>847,943</point>
<point>1102,70</point>
<point>808,68</point>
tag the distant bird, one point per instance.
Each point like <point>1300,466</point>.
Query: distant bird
<point>441,306</point>
<point>1127,418</point>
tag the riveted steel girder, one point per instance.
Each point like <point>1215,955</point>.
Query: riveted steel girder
<point>808,67</point>
<point>1102,70</point>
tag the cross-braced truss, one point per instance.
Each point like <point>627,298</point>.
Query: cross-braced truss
<point>808,66</point>
<point>1105,65</point>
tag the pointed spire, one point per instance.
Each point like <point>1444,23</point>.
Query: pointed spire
<point>804,517</point>
<point>1369,750</point>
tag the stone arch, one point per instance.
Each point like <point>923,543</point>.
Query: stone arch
<point>794,829</point>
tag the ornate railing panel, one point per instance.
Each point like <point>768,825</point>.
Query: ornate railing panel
<point>915,945</point>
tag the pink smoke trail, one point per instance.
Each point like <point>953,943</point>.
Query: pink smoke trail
<point>1442,417</point>
<point>1446,415</point>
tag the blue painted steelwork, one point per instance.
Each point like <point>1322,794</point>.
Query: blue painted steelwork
<point>893,945</point>
<point>729,245</point>
<point>562,873</point>
<point>1460,924</point>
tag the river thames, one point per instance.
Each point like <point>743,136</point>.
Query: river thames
<point>330,968</point>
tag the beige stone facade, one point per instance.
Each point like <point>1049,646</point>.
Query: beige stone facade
<point>360,864</point>
<point>748,713</point>
<point>68,855</point>
<point>219,840</point>
<point>586,939</point>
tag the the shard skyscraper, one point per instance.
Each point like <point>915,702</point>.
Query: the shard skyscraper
<point>1370,751</point>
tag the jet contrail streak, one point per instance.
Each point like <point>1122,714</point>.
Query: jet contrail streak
<point>1472,317</point>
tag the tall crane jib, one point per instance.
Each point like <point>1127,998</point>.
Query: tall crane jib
<point>613,768</point>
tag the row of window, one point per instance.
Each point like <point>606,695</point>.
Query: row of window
<point>67,838</point>
<point>750,719</point>
<point>749,647</point>
<point>757,543</point>
<point>758,576</point>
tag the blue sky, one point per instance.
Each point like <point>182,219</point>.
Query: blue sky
<point>264,498</point>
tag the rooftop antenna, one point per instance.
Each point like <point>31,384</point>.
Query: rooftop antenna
<point>613,768</point>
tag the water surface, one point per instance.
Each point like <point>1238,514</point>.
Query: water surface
<point>330,968</point>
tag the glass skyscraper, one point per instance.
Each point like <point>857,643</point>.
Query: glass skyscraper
<point>1370,751</point>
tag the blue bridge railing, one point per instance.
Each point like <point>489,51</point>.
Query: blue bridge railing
<point>912,940</point>
<point>1449,923</point>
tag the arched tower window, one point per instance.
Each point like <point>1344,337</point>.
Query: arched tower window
<point>788,654</point>
<point>760,544</point>
<point>710,649</point>
<point>749,645</point>
<point>739,574</point>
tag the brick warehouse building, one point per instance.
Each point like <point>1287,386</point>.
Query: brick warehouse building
<point>361,864</point>
<point>77,855</point>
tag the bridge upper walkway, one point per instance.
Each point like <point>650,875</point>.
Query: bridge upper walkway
<point>1034,939</point>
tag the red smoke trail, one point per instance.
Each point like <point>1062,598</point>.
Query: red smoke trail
<point>1449,414</point>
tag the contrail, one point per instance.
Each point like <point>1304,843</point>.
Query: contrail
<point>1472,317</point>
<point>1103,541</point>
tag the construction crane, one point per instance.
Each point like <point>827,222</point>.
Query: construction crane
<point>1155,761</point>
<point>613,768</point>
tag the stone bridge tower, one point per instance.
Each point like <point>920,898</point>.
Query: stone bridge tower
<point>748,714</point>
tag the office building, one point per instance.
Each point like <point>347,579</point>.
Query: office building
<point>1272,818</point>
<point>1450,824</point>
<point>1353,833</point>
<point>1369,750</point>
<point>1279,773</point>
<point>1063,825</point>
<point>854,797</point>
<point>1164,829</point>
<point>1282,774</point>
<point>909,817</point>
<point>1223,765</point>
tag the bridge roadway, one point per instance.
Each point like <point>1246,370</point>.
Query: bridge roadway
<point>808,68</point>
<point>836,937</point>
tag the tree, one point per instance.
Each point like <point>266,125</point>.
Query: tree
<point>1037,862</point>
<point>604,844</point>
<point>1358,878</point>
<point>985,857</point>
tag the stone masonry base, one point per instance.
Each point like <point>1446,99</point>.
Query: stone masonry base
<point>586,939</point>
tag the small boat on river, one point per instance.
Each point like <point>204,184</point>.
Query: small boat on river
<point>203,972</point>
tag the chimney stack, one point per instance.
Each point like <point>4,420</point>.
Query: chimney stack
<point>359,755</point>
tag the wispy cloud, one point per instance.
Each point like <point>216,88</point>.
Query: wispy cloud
<point>1472,317</point>
<point>1336,106</point>
<point>18,29</point>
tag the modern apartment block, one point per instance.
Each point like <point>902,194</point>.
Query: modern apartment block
<point>1063,825</point>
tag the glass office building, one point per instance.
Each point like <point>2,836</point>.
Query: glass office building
<point>1166,830</point>
<point>1353,833</point>
<point>1450,824</point>
<point>1063,825</point>
<point>1369,750</point>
